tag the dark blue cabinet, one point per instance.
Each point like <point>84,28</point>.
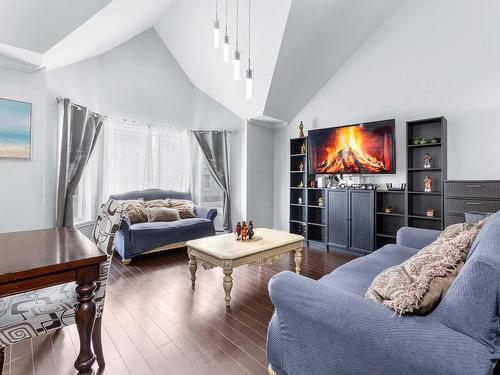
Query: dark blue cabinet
<point>351,220</point>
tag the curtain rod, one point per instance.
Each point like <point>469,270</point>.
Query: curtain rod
<point>60,99</point>
<point>145,123</point>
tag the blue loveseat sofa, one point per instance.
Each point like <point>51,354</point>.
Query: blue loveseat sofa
<point>328,327</point>
<point>139,238</point>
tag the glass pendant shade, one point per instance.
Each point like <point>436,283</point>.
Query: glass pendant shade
<point>225,48</point>
<point>249,84</point>
<point>236,65</point>
<point>216,34</point>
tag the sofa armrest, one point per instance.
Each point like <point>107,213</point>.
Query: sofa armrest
<point>206,213</point>
<point>324,329</point>
<point>125,225</point>
<point>416,237</point>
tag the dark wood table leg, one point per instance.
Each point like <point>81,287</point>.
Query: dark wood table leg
<point>85,318</point>
<point>97,342</point>
<point>2,357</point>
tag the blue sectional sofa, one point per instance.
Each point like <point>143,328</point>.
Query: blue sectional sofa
<point>139,238</point>
<point>328,327</point>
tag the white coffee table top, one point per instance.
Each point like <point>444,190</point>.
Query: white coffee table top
<point>227,247</point>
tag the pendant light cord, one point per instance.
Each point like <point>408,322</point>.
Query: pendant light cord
<point>226,17</point>
<point>248,34</point>
<point>216,12</point>
<point>237,17</point>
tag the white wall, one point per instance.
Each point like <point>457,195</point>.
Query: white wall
<point>260,174</point>
<point>429,58</point>
<point>25,186</point>
<point>138,80</point>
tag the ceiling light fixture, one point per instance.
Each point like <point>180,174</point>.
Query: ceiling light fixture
<point>216,27</point>
<point>237,54</point>
<point>225,47</point>
<point>249,73</point>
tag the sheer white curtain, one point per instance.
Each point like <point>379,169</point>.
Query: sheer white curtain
<point>140,156</point>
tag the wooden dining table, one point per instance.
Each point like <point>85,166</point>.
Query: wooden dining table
<point>37,259</point>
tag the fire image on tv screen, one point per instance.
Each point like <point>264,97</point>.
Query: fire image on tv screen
<point>354,149</point>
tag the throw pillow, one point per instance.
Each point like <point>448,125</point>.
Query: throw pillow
<point>418,284</point>
<point>162,214</point>
<point>185,207</point>
<point>156,203</point>
<point>135,210</point>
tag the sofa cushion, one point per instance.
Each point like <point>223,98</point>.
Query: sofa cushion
<point>147,236</point>
<point>135,210</point>
<point>156,203</point>
<point>357,275</point>
<point>416,285</point>
<point>162,214</point>
<point>185,207</point>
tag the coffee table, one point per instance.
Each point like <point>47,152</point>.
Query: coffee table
<point>226,252</point>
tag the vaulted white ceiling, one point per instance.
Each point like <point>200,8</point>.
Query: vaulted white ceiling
<point>297,45</point>
<point>186,29</point>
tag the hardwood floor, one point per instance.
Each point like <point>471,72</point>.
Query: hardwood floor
<point>155,324</point>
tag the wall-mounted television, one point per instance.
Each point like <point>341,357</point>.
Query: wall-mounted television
<point>367,148</point>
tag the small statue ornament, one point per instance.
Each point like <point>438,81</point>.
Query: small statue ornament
<point>430,212</point>
<point>244,232</point>
<point>301,167</point>
<point>250,230</point>
<point>427,184</point>
<point>320,202</point>
<point>312,184</point>
<point>299,200</point>
<point>427,161</point>
<point>388,210</point>
<point>301,184</point>
<point>301,130</point>
<point>303,149</point>
<point>237,231</point>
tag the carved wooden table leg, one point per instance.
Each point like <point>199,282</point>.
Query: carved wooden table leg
<point>228,284</point>
<point>298,259</point>
<point>2,357</point>
<point>85,319</point>
<point>193,265</point>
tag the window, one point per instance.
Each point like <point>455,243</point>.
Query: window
<point>86,200</point>
<point>142,156</point>
<point>206,190</point>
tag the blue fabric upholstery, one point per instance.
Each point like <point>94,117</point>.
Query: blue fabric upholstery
<point>135,239</point>
<point>416,237</point>
<point>328,327</point>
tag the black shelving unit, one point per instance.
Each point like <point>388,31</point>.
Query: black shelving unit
<point>298,211</point>
<point>417,201</point>
<point>316,215</point>
<point>387,224</point>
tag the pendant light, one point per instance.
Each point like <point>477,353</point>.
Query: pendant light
<point>249,72</point>
<point>225,46</point>
<point>237,54</point>
<point>216,27</point>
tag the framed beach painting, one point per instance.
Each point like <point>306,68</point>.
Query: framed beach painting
<point>15,129</point>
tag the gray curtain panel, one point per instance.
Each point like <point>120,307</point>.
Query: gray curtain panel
<point>79,134</point>
<point>213,144</point>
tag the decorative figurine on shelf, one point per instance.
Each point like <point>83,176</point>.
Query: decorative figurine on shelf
<point>301,167</point>
<point>427,161</point>
<point>435,140</point>
<point>244,232</point>
<point>299,200</point>
<point>388,210</point>
<point>301,130</point>
<point>237,231</point>
<point>312,184</point>
<point>250,230</point>
<point>427,184</point>
<point>303,149</point>
<point>320,202</point>
<point>430,212</point>
<point>301,184</point>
